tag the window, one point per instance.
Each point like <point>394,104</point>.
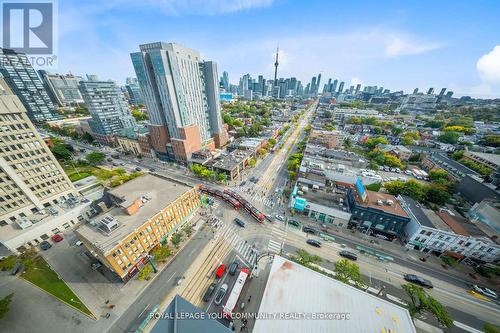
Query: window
<point>422,232</point>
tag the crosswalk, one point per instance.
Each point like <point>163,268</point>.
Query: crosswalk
<point>228,231</point>
<point>278,234</point>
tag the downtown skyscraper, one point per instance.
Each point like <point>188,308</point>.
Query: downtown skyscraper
<point>181,92</point>
<point>25,83</point>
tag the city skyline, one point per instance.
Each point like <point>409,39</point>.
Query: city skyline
<point>391,47</point>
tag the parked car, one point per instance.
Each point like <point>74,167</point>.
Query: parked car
<point>209,292</point>
<point>115,164</point>
<point>220,271</point>
<point>234,267</point>
<point>280,217</point>
<point>348,255</point>
<point>309,230</point>
<point>138,169</point>
<point>152,169</point>
<point>243,183</point>
<point>220,294</point>
<point>293,222</point>
<point>313,242</point>
<point>418,280</point>
<point>79,243</point>
<point>45,245</point>
<point>57,238</point>
<point>239,222</point>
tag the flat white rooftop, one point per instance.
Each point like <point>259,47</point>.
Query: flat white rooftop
<point>292,288</point>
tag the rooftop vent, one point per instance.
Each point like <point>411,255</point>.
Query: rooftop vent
<point>389,203</point>
<point>379,202</point>
<point>108,223</point>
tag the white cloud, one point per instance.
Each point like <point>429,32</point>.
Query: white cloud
<point>403,45</point>
<point>488,66</point>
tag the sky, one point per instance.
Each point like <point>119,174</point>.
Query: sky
<point>399,45</point>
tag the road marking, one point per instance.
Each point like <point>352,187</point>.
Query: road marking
<point>190,253</point>
<point>140,314</point>
<point>466,327</point>
<point>395,299</point>
<point>170,278</point>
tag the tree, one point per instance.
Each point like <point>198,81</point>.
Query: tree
<point>4,305</point>
<point>421,303</point>
<point>188,230</point>
<point>449,137</point>
<point>347,143</point>
<point>328,114</point>
<point>348,272</point>
<point>392,161</point>
<point>252,162</point>
<point>372,142</point>
<point>287,192</point>
<point>396,130</point>
<point>457,154</point>
<point>491,140</point>
<point>485,171</point>
<point>161,253</point>
<point>61,152</point>
<point>438,174</point>
<point>87,137</point>
<point>261,151</point>
<point>222,177</point>
<point>95,157</point>
<point>437,194</point>
<point>176,239</point>
<point>272,141</point>
<point>139,116</point>
<point>145,272</point>
<point>305,258</point>
<point>490,328</point>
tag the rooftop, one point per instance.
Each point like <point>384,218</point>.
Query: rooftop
<point>418,212</point>
<point>285,293</point>
<point>453,224</point>
<point>492,158</point>
<point>374,198</point>
<point>159,191</point>
<point>230,160</point>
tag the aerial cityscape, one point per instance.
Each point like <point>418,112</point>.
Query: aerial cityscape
<point>249,166</point>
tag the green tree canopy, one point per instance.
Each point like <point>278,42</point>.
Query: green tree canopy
<point>449,137</point>
<point>61,151</point>
<point>422,303</point>
<point>348,272</point>
<point>95,157</point>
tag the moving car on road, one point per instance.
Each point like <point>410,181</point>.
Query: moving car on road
<point>233,268</point>
<point>280,218</point>
<point>313,242</point>
<point>209,292</point>
<point>220,294</point>
<point>348,255</point>
<point>309,230</point>
<point>418,280</point>
<point>484,291</point>
<point>220,271</point>
<point>239,222</point>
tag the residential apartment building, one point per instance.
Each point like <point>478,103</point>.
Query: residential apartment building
<point>329,139</point>
<point>25,83</point>
<point>63,88</point>
<point>137,217</point>
<point>134,91</point>
<point>108,107</point>
<point>441,233</point>
<point>491,161</point>
<point>37,199</point>
<point>181,93</point>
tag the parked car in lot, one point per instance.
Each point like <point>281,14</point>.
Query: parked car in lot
<point>313,242</point>
<point>234,267</point>
<point>57,238</point>
<point>293,222</point>
<point>243,183</point>
<point>220,294</point>
<point>209,292</point>
<point>45,245</point>
<point>152,169</point>
<point>239,222</point>
<point>220,271</point>
<point>309,230</point>
<point>280,217</point>
<point>348,255</point>
<point>138,169</point>
<point>418,280</point>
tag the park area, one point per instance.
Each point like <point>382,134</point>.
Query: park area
<point>111,178</point>
<point>38,272</point>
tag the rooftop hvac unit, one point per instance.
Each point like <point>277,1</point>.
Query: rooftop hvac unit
<point>379,202</point>
<point>109,223</point>
<point>24,223</point>
<point>390,202</point>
